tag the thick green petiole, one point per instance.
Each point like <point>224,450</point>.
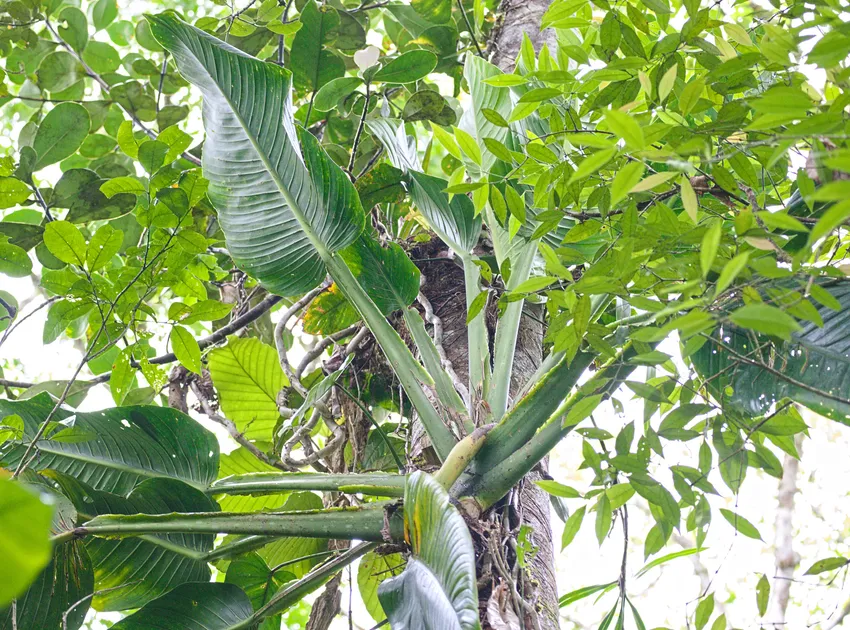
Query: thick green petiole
<point>376,484</point>
<point>344,523</point>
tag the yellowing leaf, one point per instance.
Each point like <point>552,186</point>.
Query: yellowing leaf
<point>737,34</point>
<point>689,198</point>
<point>665,85</point>
<point>656,179</point>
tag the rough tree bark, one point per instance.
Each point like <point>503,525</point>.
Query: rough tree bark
<point>519,17</point>
<point>443,285</point>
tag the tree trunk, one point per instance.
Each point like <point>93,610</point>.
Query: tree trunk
<point>786,558</point>
<point>523,17</point>
<point>527,505</point>
<point>443,285</point>
<point>520,17</point>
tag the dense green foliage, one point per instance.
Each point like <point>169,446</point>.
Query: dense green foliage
<point>670,185</point>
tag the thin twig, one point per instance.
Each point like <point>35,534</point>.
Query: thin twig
<point>234,432</point>
<point>217,337</point>
<point>368,7</point>
<point>375,424</point>
<point>161,80</point>
<point>18,384</point>
<point>279,329</point>
<point>29,455</point>
<point>358,134</point>
<point>471,30</point>
<point>437,324</point>
<point>320,347</point>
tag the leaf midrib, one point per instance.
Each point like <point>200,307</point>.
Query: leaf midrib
<point>113,465</point>
<point>297,212</point>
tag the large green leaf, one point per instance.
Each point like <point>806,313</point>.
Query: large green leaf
<point>62,587</point>
<point>374,569</point>
<point>240,462</point>
<point>127,445</point>
<point>25,518</point>
<point>283,211</point>
<point>194,606</point>
<point>248,377</point>
<point>386,273</point>
<point>130,572</point>
<point>484,96</point>
<point>437,590</point>
<point>454,221</point>
<point>309,59</point>
<point>260,583</point>
<point>812,369</point>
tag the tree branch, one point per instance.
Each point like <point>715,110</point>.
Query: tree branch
<point>217,337</point>
<point>19,384</point>
<point>786,558</point>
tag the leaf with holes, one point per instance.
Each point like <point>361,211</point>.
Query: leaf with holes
<point>160,562</point>
<point>133,444</point>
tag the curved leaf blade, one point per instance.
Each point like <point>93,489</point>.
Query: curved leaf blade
<point>485,97</point>
<point>454,221</point>
<point>282,210</point>
<point>131,444</point>
<point>387,273</point>
<point>437,590</point>
<point>159,563</point>
<point>194,606</point>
